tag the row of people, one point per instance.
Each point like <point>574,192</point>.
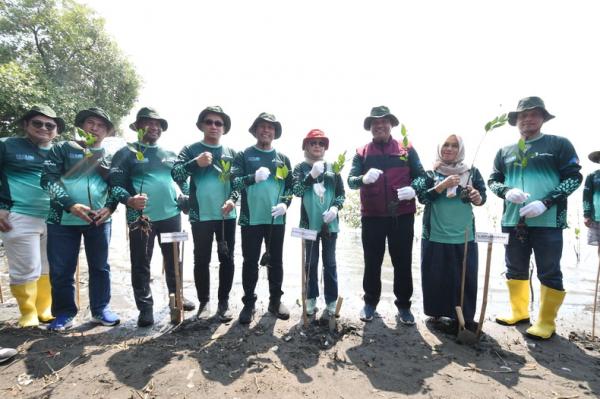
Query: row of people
<point>84,190</point>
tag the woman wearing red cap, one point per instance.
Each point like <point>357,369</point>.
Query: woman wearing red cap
<point>322,193</point>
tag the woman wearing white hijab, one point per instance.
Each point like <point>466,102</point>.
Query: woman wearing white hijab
<point>448,192</point>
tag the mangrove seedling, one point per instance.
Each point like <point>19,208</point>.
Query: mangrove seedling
<point>521,161</point>
<point>336,168</point>
<point>142,222</point>
<point>224,176</point>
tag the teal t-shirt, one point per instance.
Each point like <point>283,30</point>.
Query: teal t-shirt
<point>259,198</point>
<point>21,164</point>
<point>552,172</point>
<point>591,196</point>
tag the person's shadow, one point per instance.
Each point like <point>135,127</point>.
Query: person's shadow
<point>396,360</point>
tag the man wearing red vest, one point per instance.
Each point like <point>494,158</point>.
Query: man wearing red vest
<point>383,171</point>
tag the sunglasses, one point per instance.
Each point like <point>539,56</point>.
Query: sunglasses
<point>209,122</point>
<point>319,143</point>
<point>39,124</point>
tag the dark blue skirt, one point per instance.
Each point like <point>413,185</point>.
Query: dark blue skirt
<point>441,271</point>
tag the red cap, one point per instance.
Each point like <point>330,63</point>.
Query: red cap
<point>316,134</point>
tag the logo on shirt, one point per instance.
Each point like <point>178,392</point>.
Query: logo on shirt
<point>253,159</point>
<point>24,157</point>
<point>73,155</point>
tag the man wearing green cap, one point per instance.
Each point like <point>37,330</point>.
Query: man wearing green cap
<point>212,206</point>
<point>74,176</point>
<point>263,176</point>
<point>534,178</point>
<point>140,175</point>
<point>23,210</point>
<point>383,170</point>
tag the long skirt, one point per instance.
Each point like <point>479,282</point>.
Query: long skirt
<point>441,274</point>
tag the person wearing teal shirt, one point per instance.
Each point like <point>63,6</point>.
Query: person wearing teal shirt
<point>449,192</point>
<point>534,178</point>
<point>591,202</point>
<point>81,204</point>
<point>212,200</point>
<point>323,195</point>
<point>261,174</point>
<point>23,210</point>
<point>140,175</point>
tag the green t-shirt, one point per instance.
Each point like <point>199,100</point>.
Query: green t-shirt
<point>21,164</point>
<point>591,196</point>
<point>551,175</point>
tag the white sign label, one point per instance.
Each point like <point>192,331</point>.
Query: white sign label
<point>496,238</point>
<point>174,237</point>
<point>304,233</point>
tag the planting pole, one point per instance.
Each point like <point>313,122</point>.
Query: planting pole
<point>178,288</point>
<point>595,298</point>
<point>77,284</point>
<point>303,259</point>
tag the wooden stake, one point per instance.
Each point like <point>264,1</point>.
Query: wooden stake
<point>595,298</point>
<point>77,284</point>
<point>486,284</point>
<point>303,258</point>
<point>178,283</point>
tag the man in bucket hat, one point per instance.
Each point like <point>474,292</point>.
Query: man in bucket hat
<point>534,178</point>
<point>141,178</point>
<point>212,206</point>
<point>23,210</point>
<point>80,205</point>
<point>383,170</point>
<point>263,176</point>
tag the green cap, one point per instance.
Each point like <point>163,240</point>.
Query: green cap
<point>149,113</point>
<point>44,110</point>
<point>380,112</point>
<point>526,104</point>
<point>215,110</point>
<point>93,111</point>
<point>267,118</point>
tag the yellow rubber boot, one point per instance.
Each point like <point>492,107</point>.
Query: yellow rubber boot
<point>43,302</point>
<point>550,301</point>
<point>25,294</point>
<point>518,291</point>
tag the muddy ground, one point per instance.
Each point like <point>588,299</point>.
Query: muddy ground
<point>275,358</point>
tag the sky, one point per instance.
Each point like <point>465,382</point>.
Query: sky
<point>442,67</point>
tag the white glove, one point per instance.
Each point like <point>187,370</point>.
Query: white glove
<point>330,215</point>
<point>319,189</point>
<point>406,193</point>
<point>279,210</point>
<point>536,208</point>
<point>516,196</point>
<point>261,174</point>
<point>317,169</point>
<point>371,176</point>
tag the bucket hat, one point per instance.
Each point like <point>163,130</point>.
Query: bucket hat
<point>380,112</point>
<point>93,111</point>
<point>149,113</point>
<point>526,104</point>
<point>215,110</point>
<point>267,118</point>
<point>314,135</point>
<point>41,109</point>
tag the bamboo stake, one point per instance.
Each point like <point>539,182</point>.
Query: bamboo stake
<point>485,288</point>
<point>178,284</point>
<point>595,299</point>
<point>303,259</point>
<point>77,284</point>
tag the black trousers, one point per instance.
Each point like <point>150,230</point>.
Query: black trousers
<point>252,239</point>
<point>203,233</point>
<point>399,233</point>
<point>141,247</point>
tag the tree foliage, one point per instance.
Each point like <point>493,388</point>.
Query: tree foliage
<point>57,52</point>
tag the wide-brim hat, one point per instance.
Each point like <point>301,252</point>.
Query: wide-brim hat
<point>526,104</point>
<point>267,118</point>
<point>93,111</point>
<point>44,110</point>
<point>314,135</point>
<point>149,113</point>
<point>215,110</point>
<point>594,156</point>
<point>380,112</point>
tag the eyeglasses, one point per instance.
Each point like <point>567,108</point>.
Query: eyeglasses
<point>209,122</point>
<point>39,124</point>
<point>319,143</point>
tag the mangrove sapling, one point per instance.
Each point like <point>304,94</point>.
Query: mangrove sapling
<point>142,222</point>
<point>336,168</point>
<point>522,159</point>
<point>224,176</point>
<point>281,174</point>
<point>87,140</point>
<point>403,156</point>
<point>495,123</point>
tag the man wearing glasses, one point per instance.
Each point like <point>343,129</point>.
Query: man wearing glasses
<point>80,205</point>
<point>212,206</point>
<point>383,170</point>
<point>141,178</point>
<point>263,176</point>
<point>23,211</point>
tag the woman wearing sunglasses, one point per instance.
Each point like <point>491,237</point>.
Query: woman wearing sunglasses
<point>23,210</point>
<point>322,193</point>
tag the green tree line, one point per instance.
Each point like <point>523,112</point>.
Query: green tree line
<point>57,52</point>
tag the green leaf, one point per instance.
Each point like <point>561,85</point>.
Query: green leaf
<point>140,134</point>
<point>282,172</point>
<point>339,164</point>
<point>139,155</point>
<point>403,130</point>
<point>522,146</point>
<point>524,163</point>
